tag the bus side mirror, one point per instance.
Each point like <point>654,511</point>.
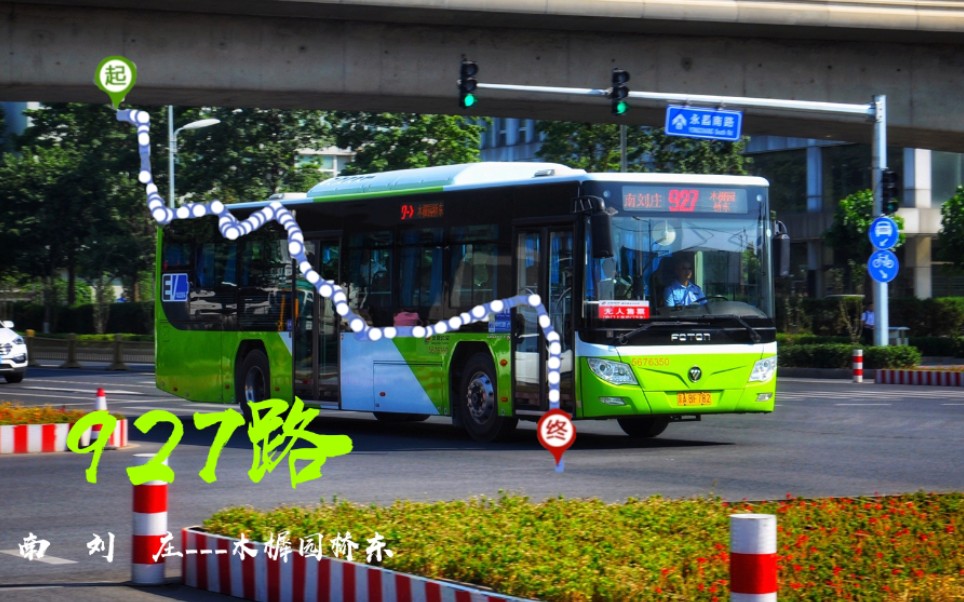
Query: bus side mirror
<point>600,224</point>
<point>781,250</point>
<point>602,234</point>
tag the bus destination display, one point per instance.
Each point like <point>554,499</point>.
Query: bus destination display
<point>421,211</point>
<point>684,199</point>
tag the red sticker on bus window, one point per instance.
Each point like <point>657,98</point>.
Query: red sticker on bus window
<point>623,310</point>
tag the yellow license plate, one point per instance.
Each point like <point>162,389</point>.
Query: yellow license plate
<point>701,398</point>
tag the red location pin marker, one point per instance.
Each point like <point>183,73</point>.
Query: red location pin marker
<point>556,433</point>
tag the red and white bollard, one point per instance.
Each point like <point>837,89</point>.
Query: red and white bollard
<point>753,558</point>
<point>99,404</point>
<point>150,526</point>
<point>858,365</point>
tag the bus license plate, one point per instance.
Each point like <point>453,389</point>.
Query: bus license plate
<point>701,398</point>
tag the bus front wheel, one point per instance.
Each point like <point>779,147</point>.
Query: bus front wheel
<point>252,381</point>
<point>643,427</point>
<point>478,399</point>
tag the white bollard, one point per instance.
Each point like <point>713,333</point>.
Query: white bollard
<point>99,404</point>
<point>753,558</point>
<point>150,526</point>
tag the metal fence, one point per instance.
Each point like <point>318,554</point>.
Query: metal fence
<point>73,353</point>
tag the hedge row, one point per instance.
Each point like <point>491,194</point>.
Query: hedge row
<point>943,316</point>
<point>839,355</point>
<point>136,318</point>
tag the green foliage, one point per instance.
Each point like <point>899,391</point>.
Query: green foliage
<point>950,238</point>
<point>840,355</point>
<point>388,141</point>
<point>595,147</point>
<point>135,318</point>
<point>939,316</point>
<point>649,549</point>
<point>70,199</point>
<point>891,356</point>
<point>250,155</point>
<point>851,222</point>
<point>822,355</point>
<point>939,346</point>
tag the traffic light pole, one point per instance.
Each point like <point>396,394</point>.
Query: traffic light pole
<point>875,110</point>
<point>881,300</point>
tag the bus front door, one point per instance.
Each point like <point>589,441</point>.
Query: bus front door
<point>544,266</point>
<point>316,368</point>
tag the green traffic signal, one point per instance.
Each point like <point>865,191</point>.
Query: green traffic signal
<point>467,83</point>
<point>619,92</point>
<point>890,191</point>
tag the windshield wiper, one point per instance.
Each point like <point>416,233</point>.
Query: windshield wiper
<point>623,338</point>
<point>754,335</point>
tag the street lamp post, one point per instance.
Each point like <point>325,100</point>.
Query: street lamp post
<point>172,146</point>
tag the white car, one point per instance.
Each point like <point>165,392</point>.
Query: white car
<point>13,353</point>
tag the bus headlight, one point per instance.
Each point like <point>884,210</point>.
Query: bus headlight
<point>616,373</point>
<point>763,370</point>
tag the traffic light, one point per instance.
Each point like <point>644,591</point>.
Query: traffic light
<point>619,92</point>
<point>890,188</point>
<point>467,83</point>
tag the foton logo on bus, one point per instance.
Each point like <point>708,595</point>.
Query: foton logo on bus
<point>690,337</point>
<point>624,310</point>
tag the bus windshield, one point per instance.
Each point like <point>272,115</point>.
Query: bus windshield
<point>705,260</point>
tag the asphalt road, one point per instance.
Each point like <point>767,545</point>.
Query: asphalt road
<point>826,438</point>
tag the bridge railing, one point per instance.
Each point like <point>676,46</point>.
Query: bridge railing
<point>71,352</point>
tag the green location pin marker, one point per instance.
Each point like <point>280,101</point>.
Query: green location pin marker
<point>116,76</point>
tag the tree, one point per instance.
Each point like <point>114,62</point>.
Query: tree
<point>950,238</point>
<point>847,234</point>
<point>250,155</point>
<point>595,147</point>
<point>71,189</point>
<point>387,141</point>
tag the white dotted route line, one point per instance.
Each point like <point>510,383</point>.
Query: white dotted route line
<point>232,229</point>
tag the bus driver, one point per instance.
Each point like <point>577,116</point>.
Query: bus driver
<point>682,291</point>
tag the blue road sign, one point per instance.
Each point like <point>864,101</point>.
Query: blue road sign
<point>883,266</point>
<point>883,233</point>
<point>710,124</point>
<point>174,287</point>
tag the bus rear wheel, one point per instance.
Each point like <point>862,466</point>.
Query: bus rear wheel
<point>479,401</point>
<point>643,427</point>
<point>253,380</point>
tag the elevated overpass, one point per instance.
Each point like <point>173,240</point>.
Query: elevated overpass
<point>403,55</point>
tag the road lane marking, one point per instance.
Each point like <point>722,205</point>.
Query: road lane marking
<point>862,404</point>
<point>87,390</point>
<point>47,559</point>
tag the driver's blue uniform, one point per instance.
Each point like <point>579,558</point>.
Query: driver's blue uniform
<point>677,294</point>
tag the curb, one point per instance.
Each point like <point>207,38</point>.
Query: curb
<point>35,438</point>
<point>209,562</point>
<point>946,378</point>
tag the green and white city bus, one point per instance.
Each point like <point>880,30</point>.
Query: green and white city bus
<point>236,321</point>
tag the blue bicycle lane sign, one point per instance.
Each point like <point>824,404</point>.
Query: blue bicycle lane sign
<point>883,265</point>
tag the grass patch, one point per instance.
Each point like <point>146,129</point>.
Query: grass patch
<point>906,547</point>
